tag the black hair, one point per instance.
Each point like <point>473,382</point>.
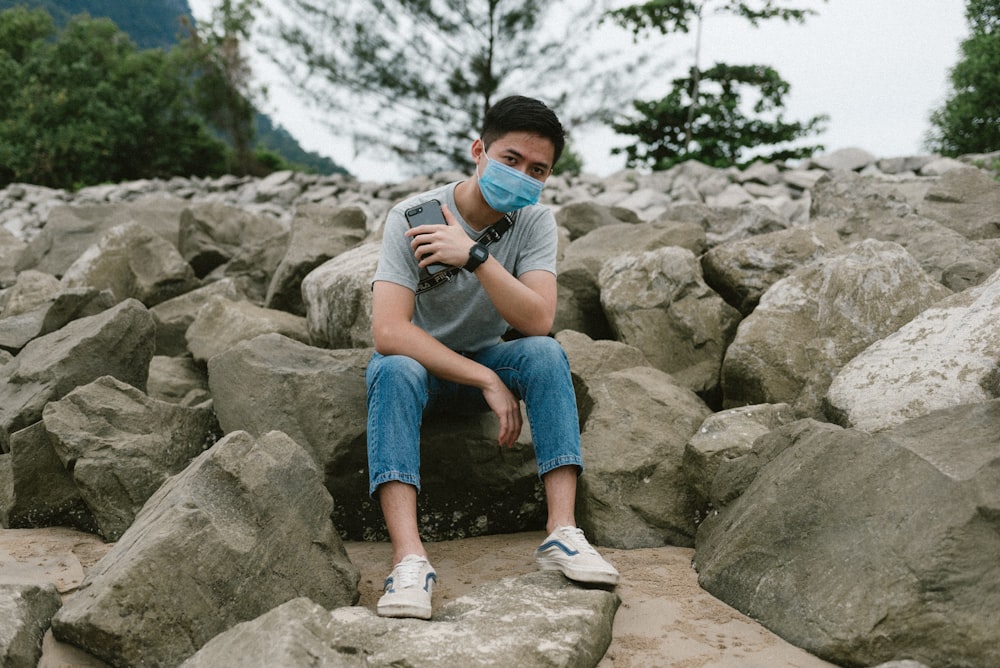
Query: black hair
<point>518,113</point>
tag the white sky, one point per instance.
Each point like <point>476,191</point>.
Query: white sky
<point>876,67</point>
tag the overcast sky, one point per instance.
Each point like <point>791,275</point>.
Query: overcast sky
<point>876,67</point>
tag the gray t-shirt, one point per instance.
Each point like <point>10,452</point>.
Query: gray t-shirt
<point>459,313</point>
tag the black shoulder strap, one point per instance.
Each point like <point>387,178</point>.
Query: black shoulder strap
<point>490,235</point>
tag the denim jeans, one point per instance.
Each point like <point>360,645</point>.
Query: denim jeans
<point>401,392</point>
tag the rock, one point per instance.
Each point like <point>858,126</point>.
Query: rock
<point>11,248</point>
<point>25,610</point>
<point>811,324</point>
<point>966,200</point>
<point>847,159</point>
<point>724,436</point>
<point>579,306</point>
<point>659,303</point>
<point>946,356</point>
<point>177,380</point>
<point>855,546</point>
<point>319,233</point>
<point>174,316</point>
<point>65,306</point>
<point>741,271</point>
<point>117,342</point>
<point>581,218</point>
<point>131,260</point>
<point>338,299</point>
<point>511,622</point>
<point>31,290</point>
<point>43,492</point>
<point>211,235</point>
<point>222,323</point>
<point>242,530</point>
<point>121,446</point>
<point>633,492</point>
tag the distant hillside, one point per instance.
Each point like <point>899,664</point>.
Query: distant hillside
<point>156,24</point>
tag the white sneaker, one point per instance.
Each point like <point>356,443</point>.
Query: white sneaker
<point>566,550</point>
<point>408,589</point>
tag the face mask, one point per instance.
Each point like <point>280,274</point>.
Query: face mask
<point>506,189</point>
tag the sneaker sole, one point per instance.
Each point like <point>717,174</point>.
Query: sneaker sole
<point>577,575</point>
<point>403,611</point>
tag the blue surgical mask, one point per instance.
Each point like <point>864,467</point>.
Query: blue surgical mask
<point>506,189</point>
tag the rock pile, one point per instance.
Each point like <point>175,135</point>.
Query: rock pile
<point>795,369</point>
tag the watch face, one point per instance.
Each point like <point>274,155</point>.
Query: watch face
<point>479,253</point>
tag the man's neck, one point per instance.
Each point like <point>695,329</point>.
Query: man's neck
<point>472,207</point>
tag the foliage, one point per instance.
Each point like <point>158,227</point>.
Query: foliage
<point>969,120</point>
<point>86,106</point>
<point>413,78</point>
<point>222,78</point>
<point>704,117</point>
<point>150,24</point>
<point>723,134</point>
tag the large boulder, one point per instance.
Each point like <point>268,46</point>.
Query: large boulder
<point>245,528</point>
<point>174,316</point>
<point>221,323</point>
<point>338,299</point>
<point>25,612</point>
<point>946,356</point>
<point>863,548</point>
<point>131,260</point>
<point>117,342</point>
<point>121,445</point>
<point>633,492</point>
<point>319,233</point>
<point>966,200</point>
<point>505,623</point>
<point>52,314</point>
<point>659,303</point>
<point>812,323</point>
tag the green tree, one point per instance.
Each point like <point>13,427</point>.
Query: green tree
<point>969,120</point>
<point>415,77</point>
<point>704,116</point>
<point>85,106</point>
<point>223,80</point>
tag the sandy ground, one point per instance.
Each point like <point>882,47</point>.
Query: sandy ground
<point>665,618</point>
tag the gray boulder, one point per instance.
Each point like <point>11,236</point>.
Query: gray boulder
<point>221,323</point>
<point>122,445</point>
<point>42,490</point>
<point>11,248</point>
<point>946,356</point>
<point>131,260</point>
<point>659,303</point>
<point>724,436</point>
<point>580,218</point>
<point>177,380</point>
<point>579,305</point>
<point>319,233</point>
<point>31,290</point>
<point>812,323</point>
<point>25,611</point>
<point>245,528</point>
<point>967,200</point>
<point>742,270</point>
<point>633,492</point>
<point>63,307</point>
<point>213,234</point>
<point>539,619</point>
<point>863,548</point>
<point>471,486</point>
<point>70,230</point>
<point>117,342</point>
<point>174,316</point>
<point>848,159</point>
<point>338,299</point>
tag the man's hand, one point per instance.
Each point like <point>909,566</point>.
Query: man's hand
<point>508,411</point>
<point>440,244</point>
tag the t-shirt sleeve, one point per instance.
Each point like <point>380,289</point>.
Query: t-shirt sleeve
<point>539,246</point>
<point>396,263</point>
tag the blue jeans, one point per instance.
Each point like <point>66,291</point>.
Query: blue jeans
<point>401,392</point>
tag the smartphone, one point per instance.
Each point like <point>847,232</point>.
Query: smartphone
<point>427,213</point>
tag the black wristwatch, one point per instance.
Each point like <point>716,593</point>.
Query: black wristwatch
<point>477,255</point>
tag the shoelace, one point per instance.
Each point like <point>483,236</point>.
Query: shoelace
<point>408,574</point>
<point>575,534</point>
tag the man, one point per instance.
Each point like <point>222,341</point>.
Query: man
<point>443,345</point>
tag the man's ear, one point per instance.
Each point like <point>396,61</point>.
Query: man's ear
<point>477,149</point>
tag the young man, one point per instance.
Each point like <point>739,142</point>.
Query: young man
<point>443,345</point>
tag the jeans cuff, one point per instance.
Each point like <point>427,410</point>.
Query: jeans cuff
<point>565,460</point>
<point>393,476</point>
